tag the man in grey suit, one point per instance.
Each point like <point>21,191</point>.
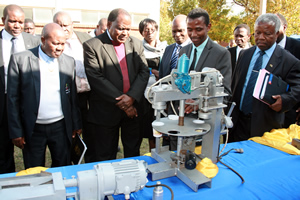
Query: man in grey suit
<point>13,20</point>
<point>203,52</point>
<point>42,100</point>
<point>179,33</point>
<point>118,79</point>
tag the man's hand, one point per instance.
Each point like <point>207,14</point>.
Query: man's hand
<point>156,74</point>
<point>125,101</point>
<point>277,106</point>
<point>79,131</point>
<point>188,108</point>
<point>131,112</point>
<point>19,142</point>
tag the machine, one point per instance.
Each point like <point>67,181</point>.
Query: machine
<point>205,92</point>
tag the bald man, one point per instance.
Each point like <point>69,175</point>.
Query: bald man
<point>12,39</point>
<point>101,28</point>
<point>43,103</point>
<point>74,49</point>
<point>179,33</point>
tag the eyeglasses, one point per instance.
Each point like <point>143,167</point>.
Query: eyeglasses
<point>150,30</point>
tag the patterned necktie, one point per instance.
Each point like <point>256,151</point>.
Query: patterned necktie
<point>14,48</point>
<point>193,65</point>
<point>247,101</point>
<point>174,58</point>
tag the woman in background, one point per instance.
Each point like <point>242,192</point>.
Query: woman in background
<point>153,50</point>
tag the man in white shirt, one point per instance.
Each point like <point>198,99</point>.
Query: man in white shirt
<point>242,37</point>
<point>73,48</point>
<point>12,40</point>
<point>43,103</point>
<point>101,28</point>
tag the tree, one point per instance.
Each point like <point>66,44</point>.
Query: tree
<point>288,8</point>
<point>222,23</point>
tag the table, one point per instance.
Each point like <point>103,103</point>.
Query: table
<point>268,173</point>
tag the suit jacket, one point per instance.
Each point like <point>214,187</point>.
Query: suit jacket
<point>23,93</point>
<point>213,56</point>
<point>164,68</point>
<point>30,41</point>
<point>281,64</point>
<point>293,46</point>
<point>105,77</point>
<point>82,36</point>
<point>232,51</point>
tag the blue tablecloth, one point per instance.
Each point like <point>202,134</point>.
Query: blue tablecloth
<point>269,174</point>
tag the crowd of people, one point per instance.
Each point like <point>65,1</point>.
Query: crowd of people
<point>64,82</point>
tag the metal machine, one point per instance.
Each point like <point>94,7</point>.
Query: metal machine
<point>105,179</point>
<point>206,90</point>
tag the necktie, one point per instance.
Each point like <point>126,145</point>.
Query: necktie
<point>174,58</point>
<point>14,48</point>
<point>247,101</point>
<point>193,65</point>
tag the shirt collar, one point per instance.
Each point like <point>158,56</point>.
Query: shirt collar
<point>268,52</point>
<point>188,41</point>
<point>282,42</point>
<point>201,46</point>
<point>44,56</point>
<point>7,36</point>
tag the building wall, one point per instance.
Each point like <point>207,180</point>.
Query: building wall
<point>85,14</point>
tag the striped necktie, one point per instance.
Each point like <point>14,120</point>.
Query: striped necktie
<point>174,58</point>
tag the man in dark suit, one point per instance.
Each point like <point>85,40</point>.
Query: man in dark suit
<point>241,37</point>
<point>42,100</point>
<point>13,19</point>
<point>252,117</point>
<point>74,48</point>
<point>203,52</point>
<point>179,33</point>
<point>118,79</point>
<point>293,46</point>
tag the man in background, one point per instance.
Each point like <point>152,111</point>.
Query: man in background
<point>73,48</point>
<point>242,36</point>
<point>12,40</point>
<point>293,46</point>
<point>29,26</point>
<point>101,27</point>
<point>170,56</point>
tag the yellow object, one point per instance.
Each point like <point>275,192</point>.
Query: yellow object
<point>280,139</point>
<point>147,154</point>
<point>207,167</point>
<point>198,150</point>
<point>33,170</point>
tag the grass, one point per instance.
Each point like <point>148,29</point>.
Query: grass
<point>20,165</point>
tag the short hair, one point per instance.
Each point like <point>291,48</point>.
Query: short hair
<point>101,21</point>
<point>11,7</point>
<point>27,20</point>
<point>63,13</point>
<point>245,26</point>
<point>146,21</point>
<point>113,15</point>
<point>282,19</point>
<point>270,19</point>
<point>199,12</point>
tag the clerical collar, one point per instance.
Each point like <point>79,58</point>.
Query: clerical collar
<point>112,41</point>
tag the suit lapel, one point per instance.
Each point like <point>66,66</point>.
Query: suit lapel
<point>109,48</point>
<point>35,69</point>
<point>1,60</point>
<point>62,76</point>
<point>203,56</point>
<point>129,55</point>
<point>275,60</point>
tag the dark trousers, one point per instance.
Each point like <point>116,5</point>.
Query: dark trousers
<point>102,141</point>
<point>83,100</point>
<point>7,163</point>
<point>242,129</point>
<point>54,135</point>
